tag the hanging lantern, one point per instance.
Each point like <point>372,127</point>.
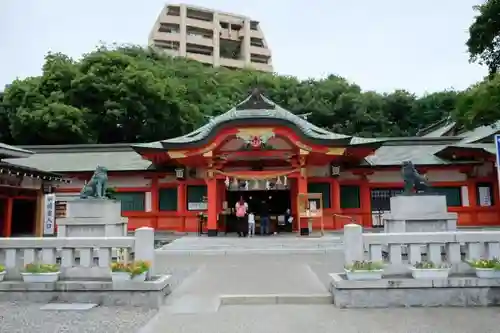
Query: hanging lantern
<point>227,182</point>
<point>334,170</point>
<point>246,185</point>
<point>179,173</point>
<point>278,181</point>
<point>285,181</point>
<point>268,185</point>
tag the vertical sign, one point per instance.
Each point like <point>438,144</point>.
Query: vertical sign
<point>49,214</point>
<point>497,150</point>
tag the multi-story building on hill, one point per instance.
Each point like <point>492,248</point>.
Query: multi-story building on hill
<point>211,37</point>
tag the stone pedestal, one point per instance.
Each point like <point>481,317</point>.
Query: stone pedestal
<point>419,213</point>
<point>92,218</point>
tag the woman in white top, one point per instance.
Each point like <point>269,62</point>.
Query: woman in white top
<point>241,214</point>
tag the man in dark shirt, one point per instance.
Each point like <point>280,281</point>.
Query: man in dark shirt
<point>264,218</point>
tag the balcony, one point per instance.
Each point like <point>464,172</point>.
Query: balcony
<point>209,25</point>
<point>200,57</point>
<point>168,19</point>
<point>261,67</point>
<point>199,40</point>
<point>236,63</point>
<point>234,35</point>
<point>166,36</point>
<point>262,51</point>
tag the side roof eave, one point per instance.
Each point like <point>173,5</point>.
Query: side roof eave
<point>488,149</point>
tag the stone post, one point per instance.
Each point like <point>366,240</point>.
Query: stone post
<point>144,247</point>
<point>353,243</point>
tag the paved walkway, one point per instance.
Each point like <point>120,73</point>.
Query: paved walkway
<point>191,245</point>
<point>258,272</point>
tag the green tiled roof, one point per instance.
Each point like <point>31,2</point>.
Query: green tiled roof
<point>8,151</point>
<point>418,154</point>
<point>480,133</point>
<point>78,158</point>
<point>258,107</point>
<point>441,130</point>
<point>486,147</point>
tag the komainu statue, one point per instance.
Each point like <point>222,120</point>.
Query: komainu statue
<point>414,180</point>
<point>97,185</point>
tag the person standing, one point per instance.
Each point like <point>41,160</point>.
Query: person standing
<point>241,212</point>
<point>264,218</point>
<point>251,224</point>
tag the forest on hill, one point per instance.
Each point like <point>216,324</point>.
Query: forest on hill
<point>131,94</point>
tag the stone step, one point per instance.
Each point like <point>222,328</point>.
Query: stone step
<point>269,299</point>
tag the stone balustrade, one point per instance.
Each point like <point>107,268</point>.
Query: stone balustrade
<point>17,252</point>
<point>412,247</point>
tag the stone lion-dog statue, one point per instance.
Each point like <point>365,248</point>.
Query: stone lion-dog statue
<point>414,180</point>
<point>97,185</point>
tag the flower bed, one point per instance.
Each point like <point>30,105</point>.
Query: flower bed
<point>40,273</point>
<point>135,271</point>
<point>364,270</point>
<point>486,268</point>
<point>429,270</point>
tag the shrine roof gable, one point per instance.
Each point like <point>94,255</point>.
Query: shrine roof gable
<point>257,109</point>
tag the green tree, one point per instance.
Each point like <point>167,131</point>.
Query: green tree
<point>480,104</point>
<point>130,94</point>
<point>484,35</point>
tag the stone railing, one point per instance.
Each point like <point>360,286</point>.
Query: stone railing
<point>402,249</point>
<point>76,255</point>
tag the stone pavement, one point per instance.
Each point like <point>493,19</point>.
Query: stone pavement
<point>276,244</point>
<point>281,266</point>
<point>327,319</point>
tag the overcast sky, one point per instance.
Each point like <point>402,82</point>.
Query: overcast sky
<point>380,45</point>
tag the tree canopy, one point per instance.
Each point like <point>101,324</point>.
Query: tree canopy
<point>484,35</point>
<point>131,94</point>
<point>480,104</point>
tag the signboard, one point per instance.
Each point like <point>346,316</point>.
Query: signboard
<point>60,209</point>
<point>49,217</point>
<point>197,205</point>
<point>310,206</point>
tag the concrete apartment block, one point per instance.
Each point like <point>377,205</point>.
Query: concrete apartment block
<point>211,37</point>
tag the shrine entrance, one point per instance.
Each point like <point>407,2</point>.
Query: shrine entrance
<point>278,201</point>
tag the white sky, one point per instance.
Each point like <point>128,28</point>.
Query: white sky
<point>380,45</point>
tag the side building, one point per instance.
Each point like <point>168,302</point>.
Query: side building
<point>263,152</point>
<point>211,37</point>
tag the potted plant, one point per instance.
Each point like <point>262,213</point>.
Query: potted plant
<point>2,272</point>
<point>430,270</point>
<point>42,273</point>
<point>486,268</point>
<point>120,272</point>
<point>139,270</point>
<point>364,270</point>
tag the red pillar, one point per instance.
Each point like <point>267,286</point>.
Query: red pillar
<point>181,203</point>
<point>155,201</point>
<point>212,206</point>
<point>7,229</point>
<point>366,203</point>
<point>302,189</point>
<point>335,189</point>
<point>471,190</point>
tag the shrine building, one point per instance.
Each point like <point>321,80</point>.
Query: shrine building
<point>262,152</point>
